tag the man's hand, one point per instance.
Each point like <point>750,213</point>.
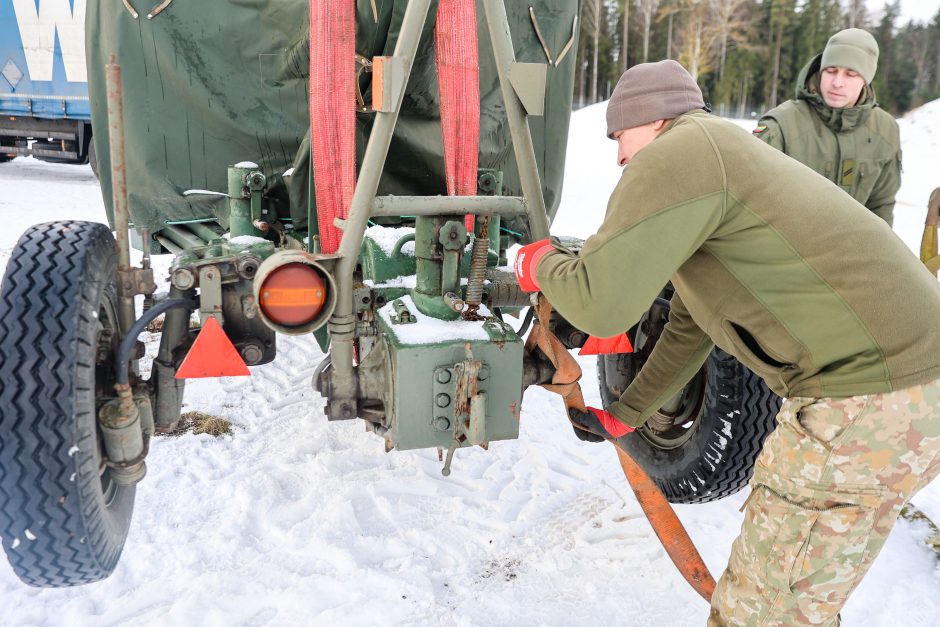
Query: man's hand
<point>526,260</point>
<point>597,425</point>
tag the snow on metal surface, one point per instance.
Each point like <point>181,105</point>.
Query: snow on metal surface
<point>431,330</point>
<point>203,192</point>
<point>409,281</point>
<point>247,240</point>
<point>386,237</point>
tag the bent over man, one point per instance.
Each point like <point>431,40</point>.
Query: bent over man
<point>772,263</point>
<point>835,127</point>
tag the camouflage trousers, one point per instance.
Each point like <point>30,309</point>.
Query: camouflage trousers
<point>828,487</point>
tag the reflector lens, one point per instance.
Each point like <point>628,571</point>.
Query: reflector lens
<point>293,295</point>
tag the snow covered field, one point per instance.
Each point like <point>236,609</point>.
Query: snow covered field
<point>295,521</point>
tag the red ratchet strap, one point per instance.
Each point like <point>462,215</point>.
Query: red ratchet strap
<point>458,71</point>
<point>333,113</point>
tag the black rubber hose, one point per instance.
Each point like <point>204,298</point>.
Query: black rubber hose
<point>526,321</point>
<point>127,344</point>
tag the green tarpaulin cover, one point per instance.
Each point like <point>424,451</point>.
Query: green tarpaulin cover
<point>214,83</point>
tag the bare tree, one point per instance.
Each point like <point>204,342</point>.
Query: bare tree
<point>647,9</point>
<point>731,26</point>
<point>697,37</point>
<point>669,37</point>
<point>626,34</point>
<point>668,13</point>
<point>780,13</point>
<point>591,22</point>
<point>597,45</point>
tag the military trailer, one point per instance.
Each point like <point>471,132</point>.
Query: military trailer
<point>356,173</point>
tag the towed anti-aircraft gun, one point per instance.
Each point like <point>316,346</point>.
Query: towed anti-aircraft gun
<point>415,341</point>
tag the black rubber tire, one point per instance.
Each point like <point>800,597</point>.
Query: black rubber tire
<point>737,414</point>
<point>93,158</point>
<point>63,520</point>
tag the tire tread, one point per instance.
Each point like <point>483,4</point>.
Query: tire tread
<point>45,485</point>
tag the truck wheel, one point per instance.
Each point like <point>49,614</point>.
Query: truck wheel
<point>93,158</point>
<point>718,425</point>
<point>64,520</point>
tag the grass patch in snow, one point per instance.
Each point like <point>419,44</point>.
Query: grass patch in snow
<point>199,422</point>
<point>913,514</point>
<point>157,325</point>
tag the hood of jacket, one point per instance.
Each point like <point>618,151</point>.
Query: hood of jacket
<point>839,120</point>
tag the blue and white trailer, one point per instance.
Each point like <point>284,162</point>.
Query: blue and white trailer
<point>44,107</point>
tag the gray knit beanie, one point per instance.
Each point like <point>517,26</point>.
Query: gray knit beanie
<point>852,48</point>
<point>649,92</point>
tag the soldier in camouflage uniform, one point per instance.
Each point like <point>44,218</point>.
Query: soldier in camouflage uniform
<point>772,263</point>
<point>827,489</point>
<point>835,127</point>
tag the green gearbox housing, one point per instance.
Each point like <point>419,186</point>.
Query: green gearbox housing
<point>446,385</point>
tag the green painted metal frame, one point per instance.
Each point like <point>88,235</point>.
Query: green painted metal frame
<point>366,204</point>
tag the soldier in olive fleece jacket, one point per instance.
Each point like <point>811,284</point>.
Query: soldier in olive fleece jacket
<point>777,266</point>
<point>835,127</point>
<point>817,303</point>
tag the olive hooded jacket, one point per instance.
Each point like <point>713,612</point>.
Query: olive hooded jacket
<point>769,261</point>
<point>857,148</point>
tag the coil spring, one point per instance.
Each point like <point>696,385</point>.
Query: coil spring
<point>481,247</point>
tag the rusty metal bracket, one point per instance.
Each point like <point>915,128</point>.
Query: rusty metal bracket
<point>154,12</point>
<point>210,294</point>
<point>565,49</point>
<point>538,34</point>
<point>137,281</point>
<point>363,64</point>
<point>130,9</point>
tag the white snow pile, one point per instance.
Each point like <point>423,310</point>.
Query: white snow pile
<point>296,520</point>
<point>426,329</point>
<point>386,238</point>
<point>247,240</point>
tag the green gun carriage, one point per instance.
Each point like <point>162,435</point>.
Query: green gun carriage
<point>204,153</point>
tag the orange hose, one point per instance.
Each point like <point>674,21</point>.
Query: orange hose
<point>659,512</point>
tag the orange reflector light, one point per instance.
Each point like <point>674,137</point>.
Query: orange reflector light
<point>212,355</point>
<point>293,295</point>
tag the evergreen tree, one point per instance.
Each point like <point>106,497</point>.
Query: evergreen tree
<point>746,54</point>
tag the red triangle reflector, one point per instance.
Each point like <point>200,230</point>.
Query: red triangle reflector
<point>607,346</point>
<point>212,355</point>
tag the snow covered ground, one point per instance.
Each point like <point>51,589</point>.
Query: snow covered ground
<point>295,521</point>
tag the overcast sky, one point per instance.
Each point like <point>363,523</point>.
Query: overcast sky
<point>920,10</point>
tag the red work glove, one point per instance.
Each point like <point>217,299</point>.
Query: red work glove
<point>596,425</point>
<point>526,260</point>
